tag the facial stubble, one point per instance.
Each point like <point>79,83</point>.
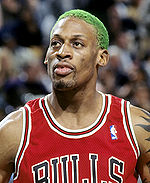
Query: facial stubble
<point>63,83</point>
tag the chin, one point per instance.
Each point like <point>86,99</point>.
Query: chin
<point>62,85</point>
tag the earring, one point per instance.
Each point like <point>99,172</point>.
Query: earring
<point>45,61</point>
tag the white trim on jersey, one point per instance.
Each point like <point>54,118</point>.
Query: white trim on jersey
<point>79,130</point>
<point>131,127</point>
<point>21,141</point>
<point>17,166</point>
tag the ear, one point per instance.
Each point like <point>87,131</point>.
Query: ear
<point>102,57</point>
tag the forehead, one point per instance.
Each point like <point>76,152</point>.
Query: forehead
<point>70,26</point>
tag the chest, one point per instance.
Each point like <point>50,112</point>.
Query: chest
<point>104,152</point>
<point>104,156</point>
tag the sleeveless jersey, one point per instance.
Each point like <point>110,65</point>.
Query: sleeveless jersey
<point>104,152</point>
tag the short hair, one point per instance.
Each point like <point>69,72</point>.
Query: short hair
<point>102,33</point>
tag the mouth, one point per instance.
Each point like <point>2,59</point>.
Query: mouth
<point>63,69</point>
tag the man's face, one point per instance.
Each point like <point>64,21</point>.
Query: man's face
<point>72,54</point>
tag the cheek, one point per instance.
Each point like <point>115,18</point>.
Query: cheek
<point>49,68</point>
<point>87,63</point>
<point>85,69</point>
<point>50,55</point>
<point>51,61</point>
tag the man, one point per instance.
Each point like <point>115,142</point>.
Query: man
<point>76,134</point>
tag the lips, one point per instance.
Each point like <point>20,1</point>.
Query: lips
<point>63,69</point>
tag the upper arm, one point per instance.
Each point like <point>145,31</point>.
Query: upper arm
<point>10,135</point>
<point>141,125</point>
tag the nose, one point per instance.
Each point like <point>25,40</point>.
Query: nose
<point>64,52</point>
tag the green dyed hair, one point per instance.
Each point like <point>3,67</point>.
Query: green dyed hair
<point>102,34</point>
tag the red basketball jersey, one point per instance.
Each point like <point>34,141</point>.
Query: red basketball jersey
<point>104,152</point>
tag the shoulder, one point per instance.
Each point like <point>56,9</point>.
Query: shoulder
<point>10,135</point>
<point>141,124</point>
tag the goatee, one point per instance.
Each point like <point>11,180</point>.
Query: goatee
<point>62,85</point>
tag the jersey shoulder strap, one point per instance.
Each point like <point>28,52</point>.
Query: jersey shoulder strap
<point>128,126</point>
<point>30,107</point>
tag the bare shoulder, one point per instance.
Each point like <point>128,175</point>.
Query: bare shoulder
<point>10,136</point>
<point>141,124</point>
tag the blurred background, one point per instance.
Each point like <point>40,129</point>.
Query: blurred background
<point>24,37</point>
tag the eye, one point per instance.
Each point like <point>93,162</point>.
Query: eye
<point>78,44</point>
<point>55,44</point>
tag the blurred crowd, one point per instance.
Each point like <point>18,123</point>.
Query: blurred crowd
<point>24,37</point>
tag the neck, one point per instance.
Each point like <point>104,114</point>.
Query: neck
<point>80,106</point>
<point>73,100</point>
